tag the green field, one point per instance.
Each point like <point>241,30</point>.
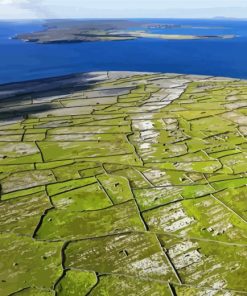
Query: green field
<point>134,184</point>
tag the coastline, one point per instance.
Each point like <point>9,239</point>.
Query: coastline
<point>73,77</point>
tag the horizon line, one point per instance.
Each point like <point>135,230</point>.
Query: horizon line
<point>125,18</point>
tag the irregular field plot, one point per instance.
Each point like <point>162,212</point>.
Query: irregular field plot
<point>135,184</point>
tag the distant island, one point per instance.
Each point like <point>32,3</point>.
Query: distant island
<point>104,30</point>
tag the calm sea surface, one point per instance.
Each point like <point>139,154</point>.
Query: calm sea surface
<point>24,61</point>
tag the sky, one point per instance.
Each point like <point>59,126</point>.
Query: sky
<point>41,9</point>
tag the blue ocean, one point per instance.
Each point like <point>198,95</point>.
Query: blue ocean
<point>21,61</point>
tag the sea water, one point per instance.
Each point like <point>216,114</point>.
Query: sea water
<point>21,61</point>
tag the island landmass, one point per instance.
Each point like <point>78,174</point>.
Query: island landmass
<point>92,31</point>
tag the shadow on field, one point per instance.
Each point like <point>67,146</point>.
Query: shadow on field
<point>16,98</point>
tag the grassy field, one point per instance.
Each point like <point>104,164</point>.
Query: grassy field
<point>129,184</point>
